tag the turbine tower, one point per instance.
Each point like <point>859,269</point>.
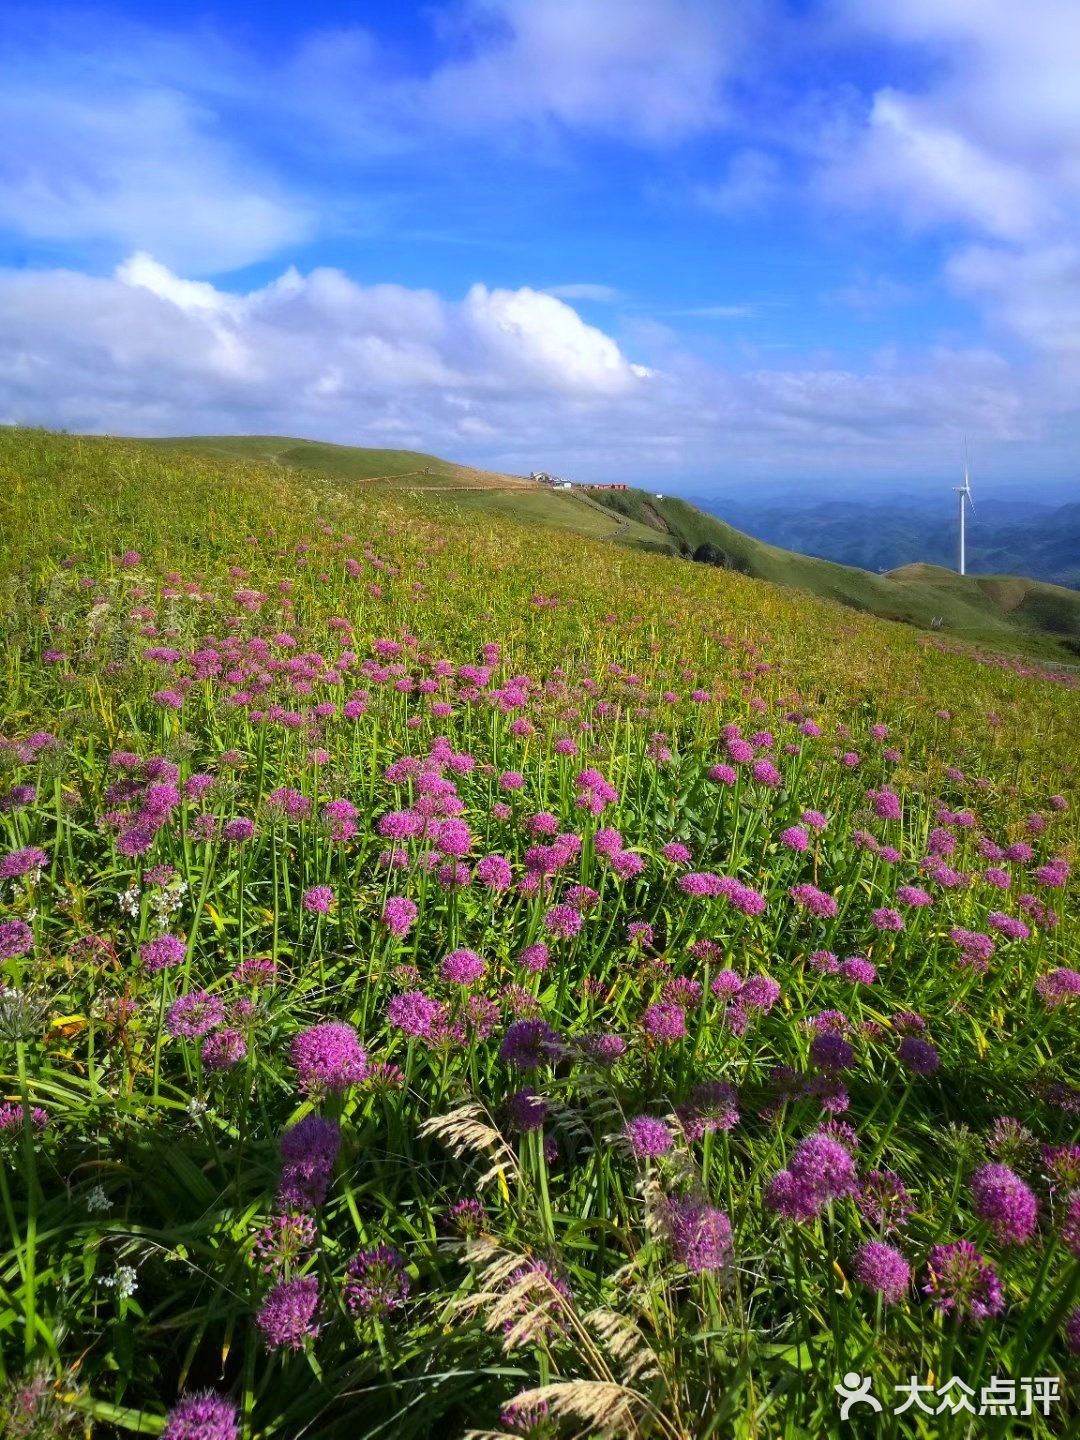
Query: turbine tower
<point>963,492</point>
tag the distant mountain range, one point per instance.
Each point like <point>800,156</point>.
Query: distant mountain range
<point>1005,537</point>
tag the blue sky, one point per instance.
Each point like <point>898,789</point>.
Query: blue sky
<point>705,243</point>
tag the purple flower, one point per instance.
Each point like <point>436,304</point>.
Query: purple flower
<point>462,967</point>
<point>318,900</point>
<point>13,1117</point>
<point>883,1200</point>
<point>562,921</point>
<point>831,1051</point>
<point>204,1415</point>
<point>885,919</point>
<point>223,1050</point>
<point>414,1014</point>
<point>528,1044</point>
<point>809,897</point>
<point>16,938</point>
<point>962,1282</point>
<point>375,1281</point>
<point>1005,1203</point>
<point>288,1315</point>
<point>163,953</point>
<point>699,1235</point>
<point>664,1024</point>
<point>238,831</point>
<point>328,1058</point>
<point>534,958</point>
<point>713,1105</point>
<point>648,1137</point>
<point>399,915</point>
<point>918,1055</point>
<point>882,1268</point>
<point>195,1014</point>
<point>308,1151</point>
<point>1059,987</point>
<point>1070,1224</point>
<point>795,838</point>
<point>31,860</point>
<point>820,1170</point>
<point>858,971</point>
<point>526,1111</point>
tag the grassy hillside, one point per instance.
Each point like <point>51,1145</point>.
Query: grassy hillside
<point>977,609</point>
<point>1009,611</point>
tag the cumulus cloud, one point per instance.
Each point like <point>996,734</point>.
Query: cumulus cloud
<point>510,378</point>
<point>147,350</point>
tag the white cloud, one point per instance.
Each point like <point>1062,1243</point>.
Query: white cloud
<point>138,167</point>
<point>499,377</point>
<point>912,160</point>
<point>652,70</point>
<point>1032,293</point>
<point>599,294</point>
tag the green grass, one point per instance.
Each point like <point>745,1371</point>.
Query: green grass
<point>1005,613</point>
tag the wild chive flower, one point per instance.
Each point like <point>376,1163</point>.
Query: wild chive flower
<point>318,900</point>
<point>820,1170</point>
<point>919,1055</point>
<point>308,1151</point>
<point>526,1110</point>
<point>809,897</point>
<point>537,1298</point>
<point>795,838</point>
<point>563,922</point>
<point>534,958</point>
<point>664,1024</point>
<point>328,1058</point>
<point>223,1049</point>
<point>830,1051</point>
<point>883,1269</point>
<point>163,953</point>
<point>375,1281</point>
<point>962,1282</point>
<point>858,971</point>
<point>413,1013</point>
<point>31,860</point>
<point>462,967</point>
<point>289,1314</point>
<point>204,1415</point>
<point>528,1044</point>
<point>1005,1203</point>
<point>884,1201</point>
<point>712,1105</point>
<point>648,1137</point>
<point>283,1240</point>
<point>1058,988</point>
<point>914,896</point>
<point>699,1235</point>
<point>885,918</point>
<point>13,1118</point>
<point>525,1419</point>
<point>195,1014</point>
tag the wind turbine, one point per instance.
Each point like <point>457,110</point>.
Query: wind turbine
<point>964,493</point>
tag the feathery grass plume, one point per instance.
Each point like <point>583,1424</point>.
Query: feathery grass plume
<point>470,1130</point>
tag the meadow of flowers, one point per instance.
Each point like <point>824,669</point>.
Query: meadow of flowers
<point>472,981</point>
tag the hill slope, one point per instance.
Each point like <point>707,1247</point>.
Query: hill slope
<point>1003,612</point>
